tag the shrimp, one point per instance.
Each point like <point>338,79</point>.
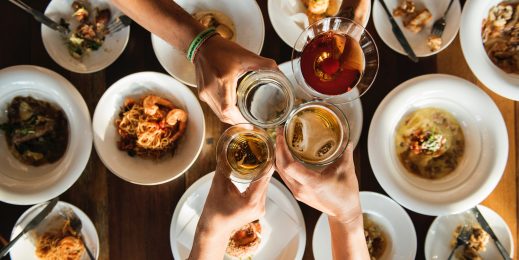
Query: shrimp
<point>151,102</point>
<point>177,116</point>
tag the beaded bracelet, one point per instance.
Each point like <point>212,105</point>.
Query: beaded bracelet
<point>197,43</point>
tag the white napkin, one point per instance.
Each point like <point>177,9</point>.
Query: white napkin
<point>295,11</point>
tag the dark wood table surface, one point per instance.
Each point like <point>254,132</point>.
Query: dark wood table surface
<point>133,221</point>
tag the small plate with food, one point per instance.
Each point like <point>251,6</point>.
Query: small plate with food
<point>444,230</point>
<point>45,135</point>
<point>416,18</point>
<point>280,234</point>
<point>388,230</point>
<point>239,21</point>
<point>90,46</point>
<point>148,128</point>
<point>489,41</point>
<point>438,144</point>
<point>290,17</point>
<point>58,236</point>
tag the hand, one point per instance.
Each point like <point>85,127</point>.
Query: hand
<point>219,64</point>
<point>334,190</point>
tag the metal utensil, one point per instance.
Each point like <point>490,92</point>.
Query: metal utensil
<point>77,225</point>
<point>40,17</point>
<point>32,224</point>
<point>399,34</point>
<point>118,23</point>
<point>461,239</point>
<point>484,225</point>
<point>439,25</point>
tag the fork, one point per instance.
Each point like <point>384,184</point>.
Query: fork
<point>118,23</point>
<point>77,225</point>
<point>461,239</point>
<point>439,25</point>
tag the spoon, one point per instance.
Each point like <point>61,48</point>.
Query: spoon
<point>77,225</point>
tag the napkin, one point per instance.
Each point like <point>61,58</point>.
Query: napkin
<point>295,11</point>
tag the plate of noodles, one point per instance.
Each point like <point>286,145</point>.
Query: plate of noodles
<point>54,238</point>
<point>148,128</point>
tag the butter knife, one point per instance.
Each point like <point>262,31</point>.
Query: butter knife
<point>32,224</point>
<point>40,17</point>
<point>484,224</point>
<point>399,34</point>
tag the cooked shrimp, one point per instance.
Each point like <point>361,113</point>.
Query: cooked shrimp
<point>177,116</point>
<point>151,102</point>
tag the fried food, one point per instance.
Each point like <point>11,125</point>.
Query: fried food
<point>319,9</point>
<point>245,241</point>
<point>223,24</point>
<point>476,244</point>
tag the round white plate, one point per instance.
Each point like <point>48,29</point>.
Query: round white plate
<point>418,41</point>
<point>439,236</point>
<point>502,83</point>
<point>135,169</point>
<point>23,184</point>
<point>55,43</point>
<point>352,110</point>
<point>283,226</point>
<point>391,218</point>
<point>250,32</point>
<point>288,19</point>
<point>25,249</point>
<point>486,145</point>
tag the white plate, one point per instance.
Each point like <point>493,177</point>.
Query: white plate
<point>418,41</point>
<point>250,32</point>
<point>502,83</point>
<point>352,110</point>
<point>283,226</point>
<point>486,145</point>
<point>135,169</point>
<point>55,43</point>
<point>439,236</point>
<point>385,212</point>
<point>25,249</point>
<point>288,16</point>
<point>23,184</point>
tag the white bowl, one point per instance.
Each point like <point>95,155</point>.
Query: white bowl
<point>385,212</point>
<point>250,32</point>
<point>486,145</point>
<point>439,235</point>
<point>288,16</point>
<point>25,249</point>
<point>502,83</point>
<point>418,41</point>
<point>55,43</point>
<point>135,169</point>
<point>22,184</point>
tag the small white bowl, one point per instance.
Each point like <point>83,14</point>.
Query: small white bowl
<point>146,171</point>
<point>486,145</point>
<point>418,41</point>
<point>502,83</point>
<point>248,22</point>
<point>23,184</point>
<point>55,43</point>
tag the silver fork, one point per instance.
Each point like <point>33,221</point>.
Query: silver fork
<point>77,225</point>
<point>118,23</point>
<point>439,25</point>
<point>461,239</point>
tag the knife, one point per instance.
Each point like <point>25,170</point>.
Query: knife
<point>484,224</point>
<point>40,17</point>
<point>32,224</point>
<point>399,34</point>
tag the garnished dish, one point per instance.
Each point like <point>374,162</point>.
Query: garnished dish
<point>89,35</point>
<point>150,127</point>
<point>36,131</point>
<point>223,24</point>
<point>429,143</point>
<point>61,243</point>
<point>476,243</point>
<point>245,241</point>
<point>319,9</point>
<point>500,33</point>
<point>375,237</point>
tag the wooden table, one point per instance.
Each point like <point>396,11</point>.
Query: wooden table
<point>133,221</point>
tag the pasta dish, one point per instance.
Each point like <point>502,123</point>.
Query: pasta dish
<point>60,245</point>
<point>150,127</point>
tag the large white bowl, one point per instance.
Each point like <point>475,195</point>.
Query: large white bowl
<point>486,145</point>
<point>502,83</point>
<point>55,43</point>
<point>23,184</point>
<point>250,32</point>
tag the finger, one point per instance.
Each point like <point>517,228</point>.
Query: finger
<point>286,163</point>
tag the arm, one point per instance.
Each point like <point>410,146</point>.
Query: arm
<point>348,240</point>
